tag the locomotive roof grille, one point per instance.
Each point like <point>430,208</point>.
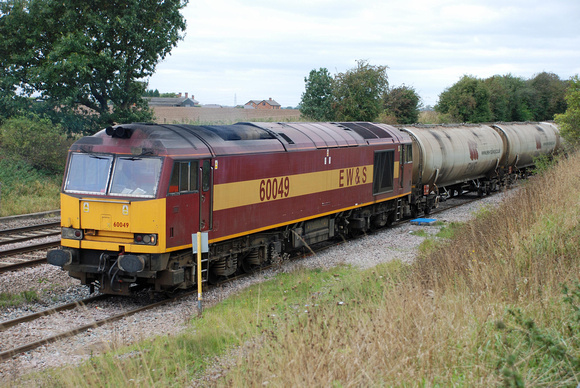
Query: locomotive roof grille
<point>367,130</point>
<point>240,131</point>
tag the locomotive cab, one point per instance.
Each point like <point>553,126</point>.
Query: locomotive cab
<point>116,230</point>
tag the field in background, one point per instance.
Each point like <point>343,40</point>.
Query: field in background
<point>224,116</point>
<point>183,115</point>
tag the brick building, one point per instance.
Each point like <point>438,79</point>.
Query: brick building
<point>262,104</point>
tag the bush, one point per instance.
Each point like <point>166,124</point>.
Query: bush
<point>36,141</point>
<point>569,121</point>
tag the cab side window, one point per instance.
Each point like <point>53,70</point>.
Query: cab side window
<point>408,153</point>
<point>383,171</point>
<point>206,177</point>
<point>184,177</point>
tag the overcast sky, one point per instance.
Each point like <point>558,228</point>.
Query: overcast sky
<point>236,51</point>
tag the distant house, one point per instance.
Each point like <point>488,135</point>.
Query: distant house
<point>262,104</point>
<point>172,101</point>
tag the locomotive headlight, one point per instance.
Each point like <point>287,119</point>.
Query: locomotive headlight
<point>146,239</point>
<point>72,234</point>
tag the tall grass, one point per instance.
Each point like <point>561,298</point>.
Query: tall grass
<point>485,309</point>
<point>24,189</point>
<point>496,305</point>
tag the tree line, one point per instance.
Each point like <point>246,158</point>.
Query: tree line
<point>504,98</point>
<point>359,94</point>
<point>363,94</point>
<point>83,65</point>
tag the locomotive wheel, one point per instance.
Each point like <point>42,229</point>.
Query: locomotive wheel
<point>213,278</point>
<point>248,268</point>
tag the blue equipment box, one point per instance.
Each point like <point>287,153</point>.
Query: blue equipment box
<point>423,221</point>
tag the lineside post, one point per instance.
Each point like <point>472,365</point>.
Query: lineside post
<point>199,284</point>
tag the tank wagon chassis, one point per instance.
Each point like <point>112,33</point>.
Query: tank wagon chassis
<point>133,195</point>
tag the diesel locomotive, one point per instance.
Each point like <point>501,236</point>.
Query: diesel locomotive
<point>134,194</point>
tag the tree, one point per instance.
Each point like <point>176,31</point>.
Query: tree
<point>151,93</point>
<point>88,57</point>
<point>508,98</point>
<point>403,103</point>
<point>359,92</point>
<point>548,96</point>
<point>569,121</point>
<point>466,101</point>
<point>316,102</point>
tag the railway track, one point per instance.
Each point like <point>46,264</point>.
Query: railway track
<point>25,347</point>
<point>27,233</point>
<point>6,354</point>
<point>18,241</point>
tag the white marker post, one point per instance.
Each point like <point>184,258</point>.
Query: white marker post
<point>200,245</point>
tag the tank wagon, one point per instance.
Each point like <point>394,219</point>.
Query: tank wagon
<point>133,195</point>
<point>450,159</point>
<point>525,141</point>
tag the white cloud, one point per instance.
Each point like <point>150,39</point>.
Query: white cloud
<point>254,50</point>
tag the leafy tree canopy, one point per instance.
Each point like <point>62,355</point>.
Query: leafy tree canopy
<point>467,101</point>
<point>504,98</point>
<point>316,103</point>
<point>569,121</point>
<point>151,93</point>
<point>403,104</point>
<point>85,57</point>
<point>548,93</point>
<point>358,93</point>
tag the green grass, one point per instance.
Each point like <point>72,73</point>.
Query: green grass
<point>448,231</point>
<point>24,189</point>
<point>420,233</point>
<point>15,300</point>
<point>254,313</point>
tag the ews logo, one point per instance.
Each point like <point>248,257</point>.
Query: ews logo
<point>352,176</point>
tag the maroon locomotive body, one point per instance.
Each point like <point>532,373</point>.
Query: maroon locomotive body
<point>258,189</point>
